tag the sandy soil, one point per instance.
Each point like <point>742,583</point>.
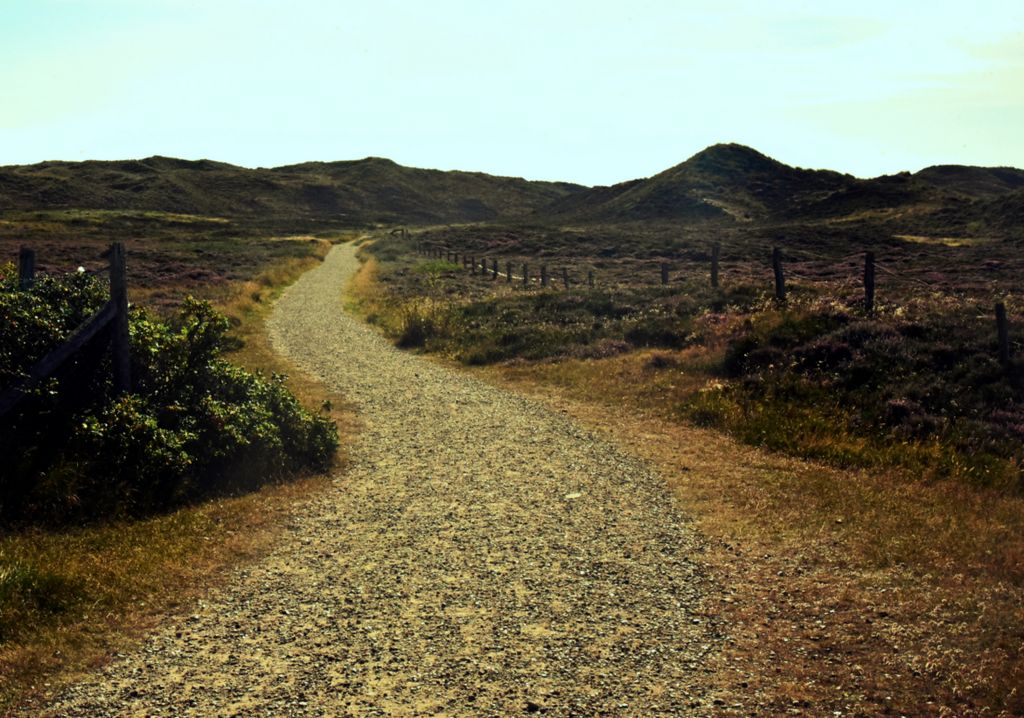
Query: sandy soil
<point>481,556</point>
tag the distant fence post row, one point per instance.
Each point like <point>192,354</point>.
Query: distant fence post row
<point>778,272</point>
<point>113,315</point>
<point>470,261</point>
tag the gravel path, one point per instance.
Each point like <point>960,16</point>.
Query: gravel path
<point>482,556</point>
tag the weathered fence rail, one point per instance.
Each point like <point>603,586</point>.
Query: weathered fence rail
<point>113,315</point>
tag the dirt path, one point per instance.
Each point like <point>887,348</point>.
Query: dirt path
<point>482,556</point>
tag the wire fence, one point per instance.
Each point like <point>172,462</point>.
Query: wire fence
<point>842,279</point>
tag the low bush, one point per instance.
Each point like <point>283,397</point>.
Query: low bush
<point>926,392</point>
<point>193,426</point>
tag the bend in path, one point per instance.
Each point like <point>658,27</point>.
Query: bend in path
<point>481,556</point>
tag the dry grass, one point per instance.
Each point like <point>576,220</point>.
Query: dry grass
<point>858,592</point>
<point>243,300</point>
<point>259,283</point>
<point>945,241</point>
<point>364,287</point>
<point>118,581</point>
<point>129,577</point>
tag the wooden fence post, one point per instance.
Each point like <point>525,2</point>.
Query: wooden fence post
<point>472,265</point>
<point>1003,332</point>
<point>543,275</point>
<point>869,282</point>
<point>508,272</point>
<point>119,296</point>
<point>590,278</point>
<point>565,277</point>
<point>780,280</point>
<point>494,270</point>
<point>526,275</point>
<point>26,268</point>
<point>716,250</point>
<point>664,273</point>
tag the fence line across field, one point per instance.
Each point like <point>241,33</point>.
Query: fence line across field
<point>777,264</point>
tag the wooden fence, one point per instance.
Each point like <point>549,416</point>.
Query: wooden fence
<point>113,316</point>
<point>777,266</point>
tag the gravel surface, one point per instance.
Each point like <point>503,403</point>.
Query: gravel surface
<point>481,556</point>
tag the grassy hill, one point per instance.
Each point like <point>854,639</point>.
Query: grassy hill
<point>974,181</point>
<point>727,185</point>
<point>726,182</point>
<point>349,193</point>
<point>732,185</point>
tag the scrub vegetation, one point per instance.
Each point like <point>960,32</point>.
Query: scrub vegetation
<point>858,471</point>
<point>116,510</point>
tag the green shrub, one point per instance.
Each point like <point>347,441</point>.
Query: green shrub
<point>436,266</point>
<point>926,392</point>
<point>193,425</point>
<point>37,321</point>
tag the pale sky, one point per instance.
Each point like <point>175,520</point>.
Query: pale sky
<point>586,91</point>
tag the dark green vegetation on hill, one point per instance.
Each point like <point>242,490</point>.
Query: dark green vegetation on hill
<point>725,182</point>
<point>302,197</point>
<point>735,185</point>
<point>724,185</point>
